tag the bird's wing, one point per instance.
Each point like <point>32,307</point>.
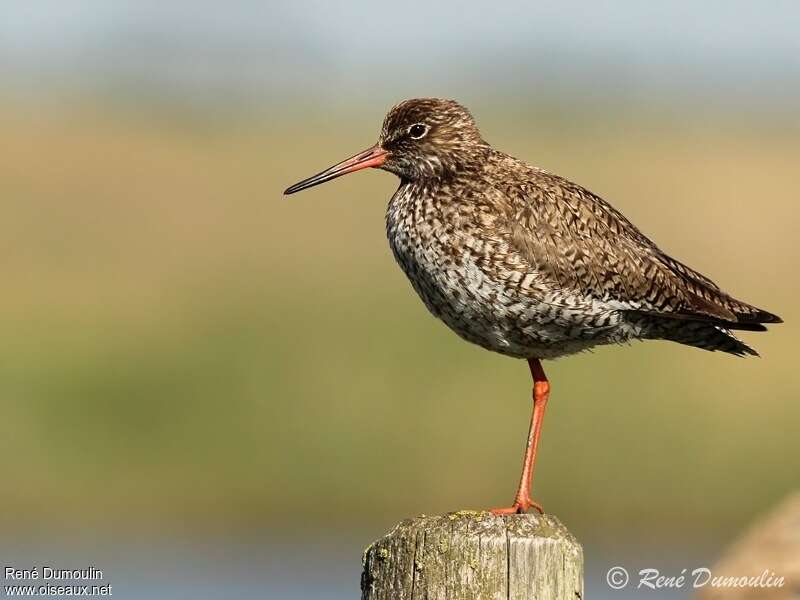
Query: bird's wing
<point>580,243</point>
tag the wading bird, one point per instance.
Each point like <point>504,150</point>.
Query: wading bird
<point>527,263</point>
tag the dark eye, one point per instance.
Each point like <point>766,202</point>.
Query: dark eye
<point>417,130</point>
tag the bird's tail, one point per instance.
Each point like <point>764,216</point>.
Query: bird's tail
<point>700,334</point>
<point>708,337</point>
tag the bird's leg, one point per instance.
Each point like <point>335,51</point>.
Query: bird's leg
<point>541,393</point>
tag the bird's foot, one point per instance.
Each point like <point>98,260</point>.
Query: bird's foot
<point>520,506</point>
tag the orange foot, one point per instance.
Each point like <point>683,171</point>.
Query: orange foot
<point>521,506</point>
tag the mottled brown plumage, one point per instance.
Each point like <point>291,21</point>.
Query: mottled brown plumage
<point>567,270</point>
<point>527,263</point>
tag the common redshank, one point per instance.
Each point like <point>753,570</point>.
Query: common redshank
<point>527,263</point>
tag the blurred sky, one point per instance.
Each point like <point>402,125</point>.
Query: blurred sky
<point>247,53</point>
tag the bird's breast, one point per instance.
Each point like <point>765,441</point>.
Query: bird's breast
<point>449,262</point>
<point>427,240</point>
<point>469,277</point>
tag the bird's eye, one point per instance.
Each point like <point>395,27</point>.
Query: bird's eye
<point>417,130</point>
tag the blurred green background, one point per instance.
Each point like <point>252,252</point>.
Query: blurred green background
<point>186,352</point>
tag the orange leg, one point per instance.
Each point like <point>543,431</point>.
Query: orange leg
<point>541,393</point>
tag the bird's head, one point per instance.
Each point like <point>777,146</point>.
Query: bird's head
<point>420,138</point>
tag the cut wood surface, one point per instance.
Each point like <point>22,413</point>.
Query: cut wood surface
<point>474,555</point>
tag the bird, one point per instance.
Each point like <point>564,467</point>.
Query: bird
<point>526,263</point>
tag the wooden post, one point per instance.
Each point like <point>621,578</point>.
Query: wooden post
<point>474,556</point>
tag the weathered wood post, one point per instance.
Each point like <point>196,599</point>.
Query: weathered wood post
<point>474,556</point>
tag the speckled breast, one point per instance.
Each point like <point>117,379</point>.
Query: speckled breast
<point>468,280</point>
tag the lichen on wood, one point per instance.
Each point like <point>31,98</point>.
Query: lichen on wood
<point>474,555</point>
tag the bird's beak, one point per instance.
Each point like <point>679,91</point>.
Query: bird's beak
<point>371,157</point>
